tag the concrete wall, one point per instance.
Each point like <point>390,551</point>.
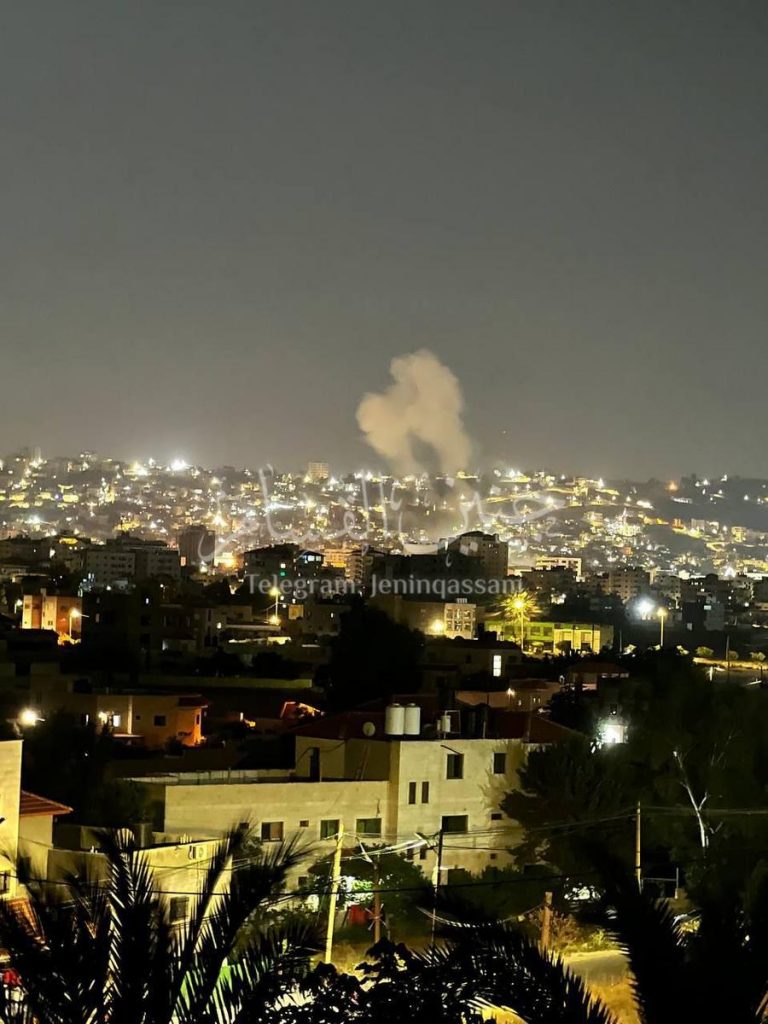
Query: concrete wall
<point>35,842</point>
<point>10,790</point>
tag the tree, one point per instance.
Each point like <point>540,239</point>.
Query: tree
<point>69,762</point>
<point>372,657</point>
<point>402,884</point>
<point>715,973</point>
<point>90,954</point>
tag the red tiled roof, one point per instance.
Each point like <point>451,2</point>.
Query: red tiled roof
<point>33,806</point>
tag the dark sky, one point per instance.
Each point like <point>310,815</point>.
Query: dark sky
<point>222,218</point>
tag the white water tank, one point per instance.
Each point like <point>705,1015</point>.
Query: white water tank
<point>412,720</point>
<point>444,724</point>
<point>394,720</point>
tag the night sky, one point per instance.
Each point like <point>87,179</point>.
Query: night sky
<point>221,220</point>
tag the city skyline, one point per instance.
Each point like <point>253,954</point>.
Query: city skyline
<point>222,224</point>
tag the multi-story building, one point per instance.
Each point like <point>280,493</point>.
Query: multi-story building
<point>130,559</point>
<point>492,553</point>
<point>318,472</point>
<point>197,547</point>
<point>360,773</point>
<point>154,719</point>
<point>456,618</point>
<point>559,562</point>
<point>628,582</point>
<point>57,612</point>
<point>568,636</point>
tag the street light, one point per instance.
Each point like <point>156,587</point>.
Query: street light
<point>662,613</point>
<point>524,606</point>
<point>275,617</point>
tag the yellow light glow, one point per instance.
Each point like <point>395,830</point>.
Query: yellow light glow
<point>28,717</point>
<point>438,626</point>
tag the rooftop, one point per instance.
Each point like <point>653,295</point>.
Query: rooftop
<point>33,806</point>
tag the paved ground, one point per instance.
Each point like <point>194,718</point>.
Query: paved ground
<point>604,967</point>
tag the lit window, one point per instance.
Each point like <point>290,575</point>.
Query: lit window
<point>496,665</point>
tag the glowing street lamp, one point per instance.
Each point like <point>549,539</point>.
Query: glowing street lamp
<point>275,616</point>
<point>662,613</point>
<point>523,606</point>
<point>28,717</point>
<point>437,627</point>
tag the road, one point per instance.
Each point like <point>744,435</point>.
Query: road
<point>602,967</point>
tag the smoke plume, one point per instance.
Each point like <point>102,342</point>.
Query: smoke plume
<point>421,408</point>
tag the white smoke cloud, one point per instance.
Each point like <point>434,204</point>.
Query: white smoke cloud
<point>422,407</point>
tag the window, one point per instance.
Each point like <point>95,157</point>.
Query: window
<point>425,792</point>
<point>496,669</point>
<point>159,720</point>
<point>454,766</point>
<point>496,816</point>
<point>329,828</point>
<point>178,908</point>
<point>499,764</point>
<point>409,853</point>
<point>368,826</point>
<point>303,881</point>
<point>116,720</point>
<point>5,881</point>
<point>304,823</point>
<point>454,823</point>
<point>411,792</point>
<point>423,853</point>
<point>271,831</point>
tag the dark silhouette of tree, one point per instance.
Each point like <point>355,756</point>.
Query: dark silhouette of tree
<point>372,657</point>
<point>110,954</point>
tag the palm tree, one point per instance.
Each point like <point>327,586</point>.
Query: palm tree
<point>89,953</point>
<point>716,973</point>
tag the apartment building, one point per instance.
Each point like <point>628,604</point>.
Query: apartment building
<point>153,719</point>
<point>363,774</point>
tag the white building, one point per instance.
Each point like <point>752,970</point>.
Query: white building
<point>350,775</point>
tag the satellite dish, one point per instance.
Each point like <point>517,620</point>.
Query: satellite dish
<point>369,729</point>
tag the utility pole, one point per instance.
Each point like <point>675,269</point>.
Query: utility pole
<point>436,880</point>
<point>546,921</point>
<point>334,895</point>
<point>377,902</point>
<point>638,848</point>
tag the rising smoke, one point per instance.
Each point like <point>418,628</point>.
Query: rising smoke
<point>421,409</point>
